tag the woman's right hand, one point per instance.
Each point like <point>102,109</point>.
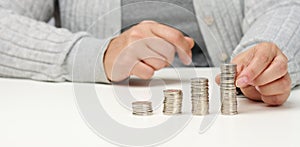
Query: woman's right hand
<point>145,48</point>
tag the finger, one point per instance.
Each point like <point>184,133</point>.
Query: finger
<point>239,68</point>
<point>275,100</point>
<point>218,79</point>
<point>261,58</point>
<point>142,51</point>
<point>150,57</point>
<point>142,71</point>
<point>155,63</point>
<point>175,37</point>
<point>251,93</point>
<point>242,60</point>
<point>191,42</point>
<point>161,47</point>
<point>278,87</point>
<point>276,70</point>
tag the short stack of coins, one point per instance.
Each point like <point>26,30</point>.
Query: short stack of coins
<point>228,89</point>
<point>142,108</point>
<point>172,102</point>
<point>200,96</point>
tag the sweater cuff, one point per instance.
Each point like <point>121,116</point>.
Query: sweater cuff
<point>85,61</point>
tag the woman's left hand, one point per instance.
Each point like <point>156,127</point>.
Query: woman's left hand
<point>262,74</point>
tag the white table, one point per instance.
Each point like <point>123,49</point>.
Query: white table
<point>36,114</point>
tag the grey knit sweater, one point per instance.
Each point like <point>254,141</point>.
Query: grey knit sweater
<point>30,48</point>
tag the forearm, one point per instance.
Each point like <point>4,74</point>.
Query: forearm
<point>36,50</point>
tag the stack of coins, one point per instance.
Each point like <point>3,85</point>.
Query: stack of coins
<point>142,108</point>
<point>200,96</point>
<point>228,89</point>
<point>172,102</point>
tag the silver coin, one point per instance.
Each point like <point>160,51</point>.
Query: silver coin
<point>228,89</point>
<point>228,68</point>
<point>142,108</point>
<point>200,96</point>
<point>172,101</point>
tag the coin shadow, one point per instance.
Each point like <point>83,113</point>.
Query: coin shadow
<point>247,106</point>
<point>135,82</point>
<point>297,87</point>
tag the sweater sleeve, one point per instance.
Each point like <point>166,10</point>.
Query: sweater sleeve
<point>32,49</point>
<point>277,22</point>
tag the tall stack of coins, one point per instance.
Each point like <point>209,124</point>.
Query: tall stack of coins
<point>200,96</point>
<point>172,102</point>
<point>228,89</point>
<point>142,108</point>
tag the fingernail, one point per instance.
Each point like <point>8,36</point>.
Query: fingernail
<point>188,61</point>
<point>257,88</point>
<point>242,82</point>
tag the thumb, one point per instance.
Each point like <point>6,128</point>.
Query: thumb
<point>251,93</point>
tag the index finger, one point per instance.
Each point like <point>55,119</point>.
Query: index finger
<point>261,57</point>
<point>182,43</point>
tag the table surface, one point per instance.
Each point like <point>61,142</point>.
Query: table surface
<point>45,114</point>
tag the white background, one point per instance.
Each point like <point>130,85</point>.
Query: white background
<point>36,114</point>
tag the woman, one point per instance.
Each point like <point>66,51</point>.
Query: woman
<point>261,36</point>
